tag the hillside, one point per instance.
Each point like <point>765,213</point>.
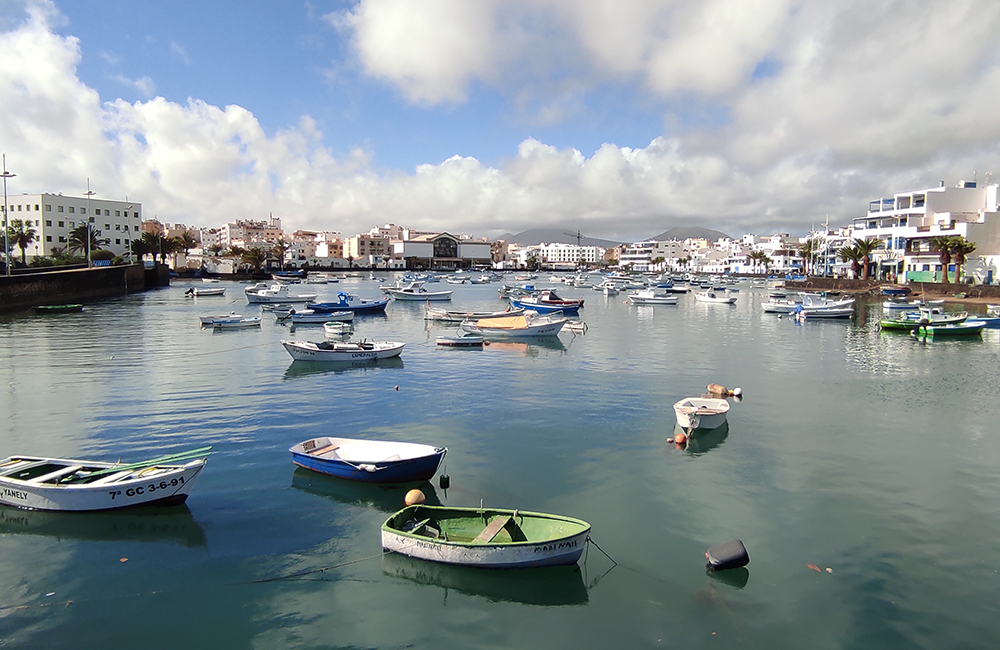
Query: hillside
<point>681,233</point>
<point>536,236</point>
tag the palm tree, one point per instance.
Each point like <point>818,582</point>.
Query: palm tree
<point>807,252</point>
<point>78,239</point>
<point>155,243</point>
<point>185,242</point>
<point>942,246</point>
<point>255,257</point>
<point>853,255</point>
<point>865,248</point>
<point>214,249</point>
<point>761,258</point>
<point>170,246</point>
<point>279,249</point>
<point>141,248</point>
<point>21,237</point>
<point>960,249</point>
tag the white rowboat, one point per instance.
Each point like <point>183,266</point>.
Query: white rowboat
<point>347,351</point>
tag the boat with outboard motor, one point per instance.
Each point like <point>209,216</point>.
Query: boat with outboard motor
<point>275,293</point>
<point>350,302</point>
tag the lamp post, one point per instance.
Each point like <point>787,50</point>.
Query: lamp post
<point>128,233</point>
<point>88,194</point>
<point>6,227</point>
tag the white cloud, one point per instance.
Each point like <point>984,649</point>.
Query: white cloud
<point>859,101</point>
<point>178,50</point>
<point>145,85</point>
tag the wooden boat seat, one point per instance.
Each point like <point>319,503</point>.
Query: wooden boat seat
<point>493,529</point>
<point>328,451</point>
<point>63,471</point>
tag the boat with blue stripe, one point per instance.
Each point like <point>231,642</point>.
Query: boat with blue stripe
<point>372,461</point>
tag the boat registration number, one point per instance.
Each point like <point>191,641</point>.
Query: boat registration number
<point>148,489</point>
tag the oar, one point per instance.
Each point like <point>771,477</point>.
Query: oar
<point>162,460</point>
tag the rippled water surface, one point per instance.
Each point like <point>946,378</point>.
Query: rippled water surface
<point>875,455</point>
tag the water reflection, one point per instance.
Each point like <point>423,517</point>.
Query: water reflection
<point>703,440</point>
<point>175,525</point>
<point>529,346</point>
<point>305,368</point>
<point>386,498</point>
<point>735,578</point>
<point>549,586</point>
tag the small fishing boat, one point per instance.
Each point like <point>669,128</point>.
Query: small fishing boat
<point>528,324</point>
<point>235,322</point>
<point>205,291</point>
<point>967,328</point>
<point>701,412</point>
<point>336,328</point>
<point>39,483</point>
<point>206,321</point>
<point>546,301</point>
<point>912,320</point>
<point>373,461</point>
<point>311,316</point>
<point>716,297</point>
<point>488,538</point>
<point>342,351</point>
<point>262,293</point>
<point>454,316</point>
<point>58,309</point>
<point>350,302</point>
<point>467,341</point>
<point>650,297</point>
<point>415,291</point>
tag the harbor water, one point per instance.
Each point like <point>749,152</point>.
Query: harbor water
<point>861,469</point>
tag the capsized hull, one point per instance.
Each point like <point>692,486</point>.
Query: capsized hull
<point>529,539</point>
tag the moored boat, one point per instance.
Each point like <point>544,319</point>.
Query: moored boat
<point>528,324</point>
<point>467,341</point>
<point>373,461</point>
<point>716,297</point>
<point>58,309</point>
<point>336,328</point>
<point>342,351</point>
<point>311,316</point>
<point>455,316</point>
<point>546,301</point>
<point>205,291</point>
<point>415,291</point>
<point>40,483</point>
<point>701,412</point>
<point>485,537</point>
<point>235,322</point>
<point>967,328</point>
<point>262,293</point>
<point>350,302</point>
<point>650,297</point>
<point>912,320</point>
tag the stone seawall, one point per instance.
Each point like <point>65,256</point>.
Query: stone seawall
<point>56,287</point>
<point>985,292</point>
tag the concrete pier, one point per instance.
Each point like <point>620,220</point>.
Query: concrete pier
<point>55,286</point>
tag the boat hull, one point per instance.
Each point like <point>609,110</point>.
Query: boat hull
<point>562,545</point>
<point>300,351</point>
<point>701,413</point>
<point>369,461</point>
<point>532,331</point>
<point>546,308</point>
<point>169,487</point>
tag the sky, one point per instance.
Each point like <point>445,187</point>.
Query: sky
<point>616,118</point>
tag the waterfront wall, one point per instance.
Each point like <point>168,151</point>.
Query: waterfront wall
<point>930,289</point>
<point>55,287</point>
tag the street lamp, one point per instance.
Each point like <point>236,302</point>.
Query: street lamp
<point>6,227</point>
<point>88,194</point>
<point>128,234</point>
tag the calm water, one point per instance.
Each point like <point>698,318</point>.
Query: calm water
<point>875,455</point>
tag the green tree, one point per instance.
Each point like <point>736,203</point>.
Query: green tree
<point>77,241</point>
<point>214,249</point>
<point>155,243</point>
<point>960,250</point>
<point>942,246</point>
<point>808,252</point>
<point>21,236</point>
<point>140,248</point>
<point>185,242</point>
<point>278,250</point>
<point>760,258</point>
<point>865,248</point>
<point>255,257</point>
<point>851,254</point>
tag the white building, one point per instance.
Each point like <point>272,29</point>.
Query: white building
<point>904,223</point>
<point>442,250</point>
<point>53,216</point>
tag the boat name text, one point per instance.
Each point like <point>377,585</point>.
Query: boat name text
<point>557,547</point>
<point>15,494</point>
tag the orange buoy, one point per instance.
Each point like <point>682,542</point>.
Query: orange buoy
<point>414,497</point>
<point>680,438</point>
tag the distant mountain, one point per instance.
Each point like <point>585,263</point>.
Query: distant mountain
<point>553,236</point>
<point>681,233</point>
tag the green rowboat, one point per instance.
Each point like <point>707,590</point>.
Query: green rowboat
<point>58,309</point>
<point>967,328</point>
<point>485,537</point>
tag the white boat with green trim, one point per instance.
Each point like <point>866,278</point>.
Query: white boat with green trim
<point>485,537</point>
<point>39,483</point>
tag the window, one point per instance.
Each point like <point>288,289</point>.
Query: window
<point>19,208</point>
<point>62,240</point>
<point>118,213</point>
<point>134,214</point>
<point>60,208</point>
<point>107,213</point>
<point>82,210</point>
<point>48,207</point>
<point>62,224</point>
<point>118,226</point>
<point>135,228</point>
<point>107,226</point>
<point>48,238</point>
<point>118,242</point>
<point>72,210</point>
<point>36,207</point>
<point>48,222</point>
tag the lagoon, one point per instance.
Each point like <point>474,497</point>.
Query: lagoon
<point>872,454</point>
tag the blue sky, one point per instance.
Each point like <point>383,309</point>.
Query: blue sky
<point>619,118</point>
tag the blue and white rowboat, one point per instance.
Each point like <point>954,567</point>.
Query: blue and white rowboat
<point>373,461</point>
